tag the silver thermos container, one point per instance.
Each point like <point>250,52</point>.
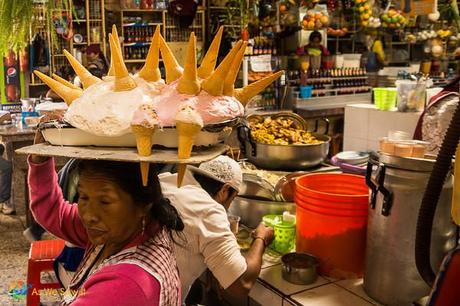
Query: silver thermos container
<point>397,185</point>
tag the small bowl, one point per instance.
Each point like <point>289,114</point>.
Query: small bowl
<point>299,268</point>
<point>78,38</point>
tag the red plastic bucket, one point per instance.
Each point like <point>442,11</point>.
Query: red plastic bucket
<point>306,201</point>
<point>339,242</point>
<point>360,212</point>
<point>337,188</point>
<point>331,221</point>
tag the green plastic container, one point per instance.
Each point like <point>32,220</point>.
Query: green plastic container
<point>284,240</point>
<point>385,98</point>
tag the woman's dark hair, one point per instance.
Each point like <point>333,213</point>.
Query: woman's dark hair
<point>315,34</point>
<point>128,176</point>
<point>2,149</point>
<point>211,186</point>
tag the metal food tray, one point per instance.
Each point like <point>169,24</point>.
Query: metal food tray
<point>63,134</point>
<point>164,156</point>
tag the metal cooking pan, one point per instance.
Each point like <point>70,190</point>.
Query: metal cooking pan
<point>282,157</point>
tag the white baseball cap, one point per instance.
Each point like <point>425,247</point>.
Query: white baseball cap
<point>222,169</point>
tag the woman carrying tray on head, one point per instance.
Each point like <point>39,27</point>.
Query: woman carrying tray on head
<point>124,227</point>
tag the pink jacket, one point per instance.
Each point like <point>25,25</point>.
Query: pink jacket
<point>119,284</point>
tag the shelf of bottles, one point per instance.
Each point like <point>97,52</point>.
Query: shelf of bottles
<point>175,33</point>
<point>261,45</point>
<point>331,82</point>
<point>137,32</point>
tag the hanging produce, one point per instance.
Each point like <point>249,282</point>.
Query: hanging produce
<point>425,35</point>
<point>16,19</point>
<point>337,32</point>
<point>364,10</point>
<point>315,20</point>
<point>393,19</point>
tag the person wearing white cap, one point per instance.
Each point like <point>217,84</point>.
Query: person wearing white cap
<point>202,201</point>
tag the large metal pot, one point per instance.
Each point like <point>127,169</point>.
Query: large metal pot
<point>283,157</point>
<point>251,211</point>
<point>397,185</point>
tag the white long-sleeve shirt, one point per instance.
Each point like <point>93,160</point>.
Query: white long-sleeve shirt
<point>209,242</point>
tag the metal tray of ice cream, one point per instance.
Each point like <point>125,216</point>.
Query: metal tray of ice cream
<point>63,134</point>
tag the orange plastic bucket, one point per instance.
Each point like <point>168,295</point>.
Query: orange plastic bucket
<point>333,188</point>
<point>337,207</point>
<point>339,242</point>
<point>332,220</point>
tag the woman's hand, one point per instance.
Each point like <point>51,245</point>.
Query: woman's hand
<point>37,159</point>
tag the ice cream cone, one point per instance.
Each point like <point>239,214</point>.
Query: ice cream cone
<point>172,67</point>
<point>117,40</point>
<point>65,82</point>
<point>187,133</point>
<point>214,85</point>
<point>144,147</point>
<point>188,83</point>
<point>66,93</point>
<point>229,84</point>
<point>86,78</point>
<point>150,72</point>
<point>210,59</point>
<point>123,81</point>
<point>248,92</point>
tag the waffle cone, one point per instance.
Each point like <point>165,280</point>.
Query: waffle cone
<point>144,148</point>
<point>187,134</point>
<point>180,174</point>
<point>214,84</point>
<point>210,59</point>
<point>124,84</point>
<point>66,93</point>
<point>247,93</point>
<point>145,166</point>
<point>87,79</point>
<point>143,139</point>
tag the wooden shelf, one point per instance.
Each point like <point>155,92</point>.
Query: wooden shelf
<point>134,60</point>
<point>223,8</point>
<point>175,27</point>
<point>143,10</point>
<point>133,24</point>
<point>137,44</point>
<point>80,44</point>
<point>84,20</point>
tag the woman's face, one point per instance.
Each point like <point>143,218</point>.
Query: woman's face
<point>91,56</point>
<point>108,213</point>
<point>315,42</point>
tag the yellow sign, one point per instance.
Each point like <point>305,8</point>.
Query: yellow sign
<point>416,7</point>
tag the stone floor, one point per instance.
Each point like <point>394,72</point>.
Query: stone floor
<point>14,249</point>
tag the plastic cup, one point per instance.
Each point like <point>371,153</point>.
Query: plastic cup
<point>234,223</point>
